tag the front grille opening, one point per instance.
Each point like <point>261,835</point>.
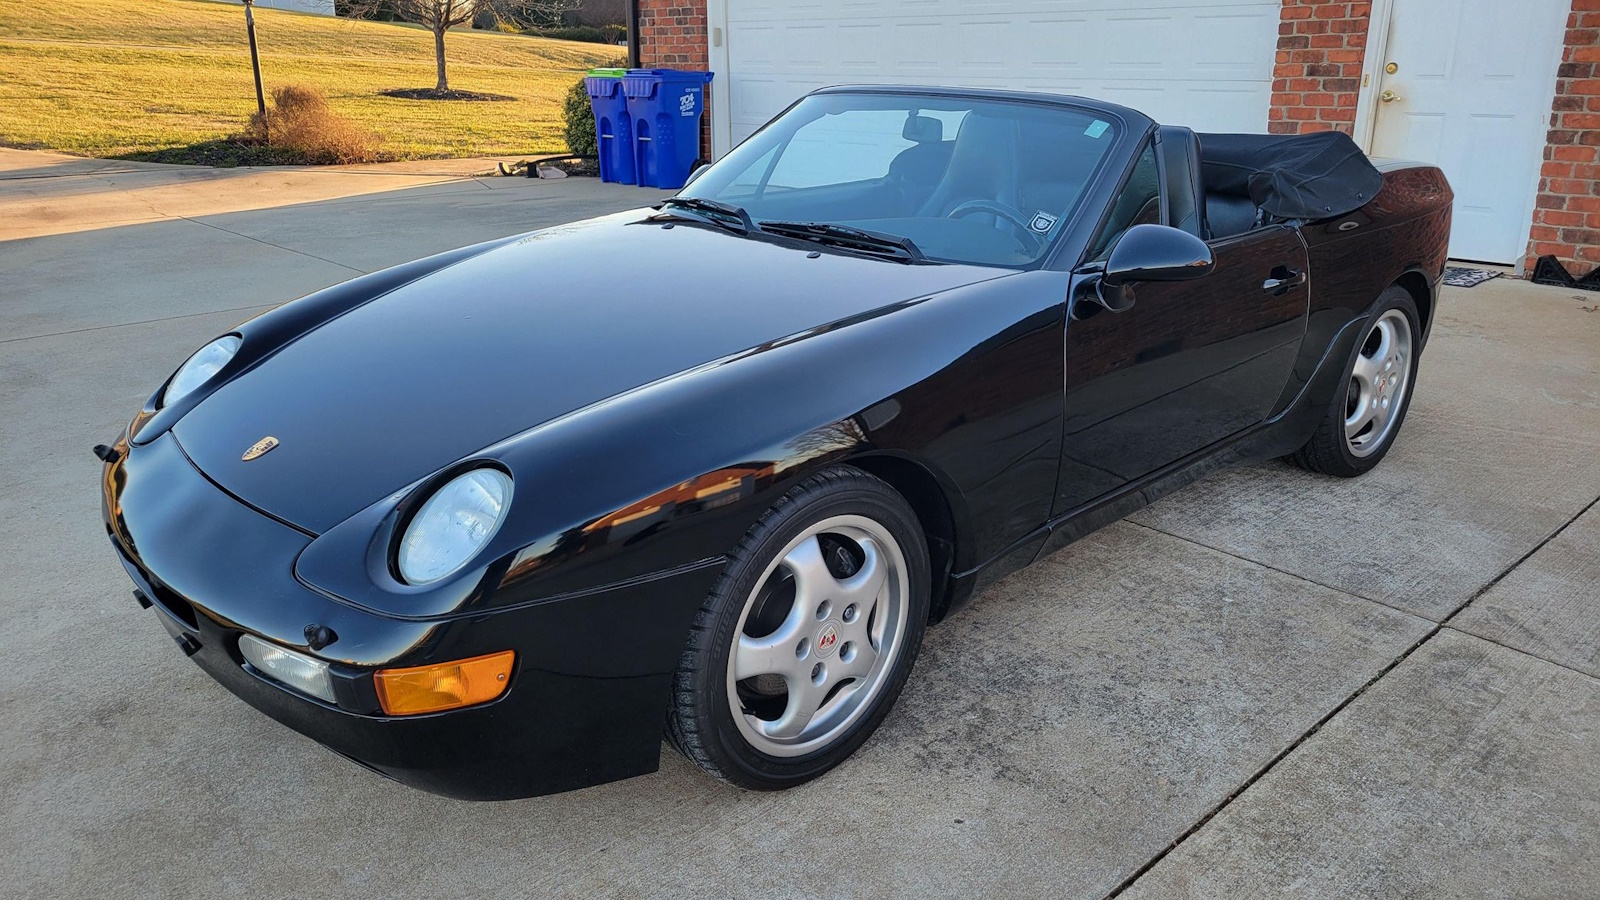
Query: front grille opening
<point>179,607</point>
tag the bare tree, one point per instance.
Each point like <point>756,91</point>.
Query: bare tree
<point>439,16</point>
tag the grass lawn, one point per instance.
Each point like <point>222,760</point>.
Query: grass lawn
<point>120,77</point>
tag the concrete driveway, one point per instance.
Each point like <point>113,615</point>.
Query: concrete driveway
<point>1269,684</point>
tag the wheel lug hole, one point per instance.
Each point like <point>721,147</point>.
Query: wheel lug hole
<point>850,613</point>
<point>819,673</point>
<point>823,609</point>
<point>802,649</point>
<point>847,652</point>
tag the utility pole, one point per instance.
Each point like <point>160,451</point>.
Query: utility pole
<point>255,58</point>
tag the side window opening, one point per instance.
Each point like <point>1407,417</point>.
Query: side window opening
<point>1138,203</point>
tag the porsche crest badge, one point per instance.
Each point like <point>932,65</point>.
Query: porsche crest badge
<point>260,448</point>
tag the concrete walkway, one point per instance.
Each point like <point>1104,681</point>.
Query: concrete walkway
<point>1269,684</point>
<point>49,193</point>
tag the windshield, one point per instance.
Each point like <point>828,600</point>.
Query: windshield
<point>965,180</point>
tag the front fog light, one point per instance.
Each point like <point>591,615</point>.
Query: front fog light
<point>297,670</point>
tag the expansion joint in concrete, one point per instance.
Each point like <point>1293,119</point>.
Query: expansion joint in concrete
<point>1340,707</point>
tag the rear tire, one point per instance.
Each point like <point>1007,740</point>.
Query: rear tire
<point>807,638</point>
<point>1365,414</point>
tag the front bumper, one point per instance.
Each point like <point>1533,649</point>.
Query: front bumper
<point>215,569</point>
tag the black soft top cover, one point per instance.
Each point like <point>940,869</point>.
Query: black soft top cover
<point>1303,176</point>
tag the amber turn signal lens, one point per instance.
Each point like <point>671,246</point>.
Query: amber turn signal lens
<point>442,686</point>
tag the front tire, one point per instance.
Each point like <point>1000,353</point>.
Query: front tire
<point>1370,404</point>
<point>808,637</point>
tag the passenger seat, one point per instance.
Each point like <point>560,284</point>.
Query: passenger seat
<point>1227,215</point>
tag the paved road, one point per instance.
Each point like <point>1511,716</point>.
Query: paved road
<point>1269,684</point>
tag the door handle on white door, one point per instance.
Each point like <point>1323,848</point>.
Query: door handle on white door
<point>1388,96</point>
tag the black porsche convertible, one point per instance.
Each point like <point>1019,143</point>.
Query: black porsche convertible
<point>488,522</point>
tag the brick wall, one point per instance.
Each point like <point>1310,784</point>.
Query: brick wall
<point>672,35</point>
<point>1317,75</point>
<point>1566,217</point>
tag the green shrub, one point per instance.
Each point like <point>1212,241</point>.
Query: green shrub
<point>580,121</point>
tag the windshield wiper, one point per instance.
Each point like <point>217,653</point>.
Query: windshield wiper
<point>717,212</point>
<point>846,236</point>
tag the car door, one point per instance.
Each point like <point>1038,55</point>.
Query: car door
<point>1190,362</point>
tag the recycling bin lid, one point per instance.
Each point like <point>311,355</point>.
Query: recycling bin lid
<point>602,87</point>
<point>607,73</point>
<point>669,74</point>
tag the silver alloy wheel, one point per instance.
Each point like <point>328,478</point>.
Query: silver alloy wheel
<point>1378,383</point>
<point>803,680</point>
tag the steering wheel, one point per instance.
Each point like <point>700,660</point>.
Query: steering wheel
<point>1014,216</point>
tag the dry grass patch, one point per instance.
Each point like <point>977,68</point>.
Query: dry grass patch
<point>306,129</point>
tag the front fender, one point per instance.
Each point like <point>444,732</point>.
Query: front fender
<point>666,478</point>
<point>278,327</point>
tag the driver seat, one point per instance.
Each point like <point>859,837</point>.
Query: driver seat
<point>983,166</point>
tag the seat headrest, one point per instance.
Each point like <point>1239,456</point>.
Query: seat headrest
<point>923,129</point>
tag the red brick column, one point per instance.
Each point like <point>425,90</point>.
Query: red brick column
<point>672,35</point>
<point>1317,76</point>
<point>1566,217</point>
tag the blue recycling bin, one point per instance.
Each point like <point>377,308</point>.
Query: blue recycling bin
<point>613,125</point>
<point>665,107</point>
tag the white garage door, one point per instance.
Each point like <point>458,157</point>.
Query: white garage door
<point>1202,63</point>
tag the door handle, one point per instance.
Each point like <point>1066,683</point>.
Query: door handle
<point>1388,96</point>
<point>1283,280</point>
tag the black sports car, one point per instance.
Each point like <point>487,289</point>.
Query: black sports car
<point>485,521</point>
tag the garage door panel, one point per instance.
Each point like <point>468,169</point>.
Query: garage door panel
<point>859,46</point>
<point>1204,63</point>
<point>837,10</point>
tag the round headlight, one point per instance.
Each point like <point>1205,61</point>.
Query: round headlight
<point>453,525</point>
<point>199,368</point>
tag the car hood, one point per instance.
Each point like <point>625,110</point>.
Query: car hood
<point>446,365</point>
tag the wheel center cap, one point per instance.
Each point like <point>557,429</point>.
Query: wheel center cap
<point>827,640</point>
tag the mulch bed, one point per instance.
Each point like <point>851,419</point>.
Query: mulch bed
<point>431,94</point>
<point>581,167</point>
<point>222,153</point>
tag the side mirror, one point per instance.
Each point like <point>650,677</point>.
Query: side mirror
<point>1149,253</point>
<point>696,172</point>
<point>1156,253</point>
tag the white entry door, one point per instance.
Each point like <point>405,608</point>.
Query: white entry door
<point>1470,91</point>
